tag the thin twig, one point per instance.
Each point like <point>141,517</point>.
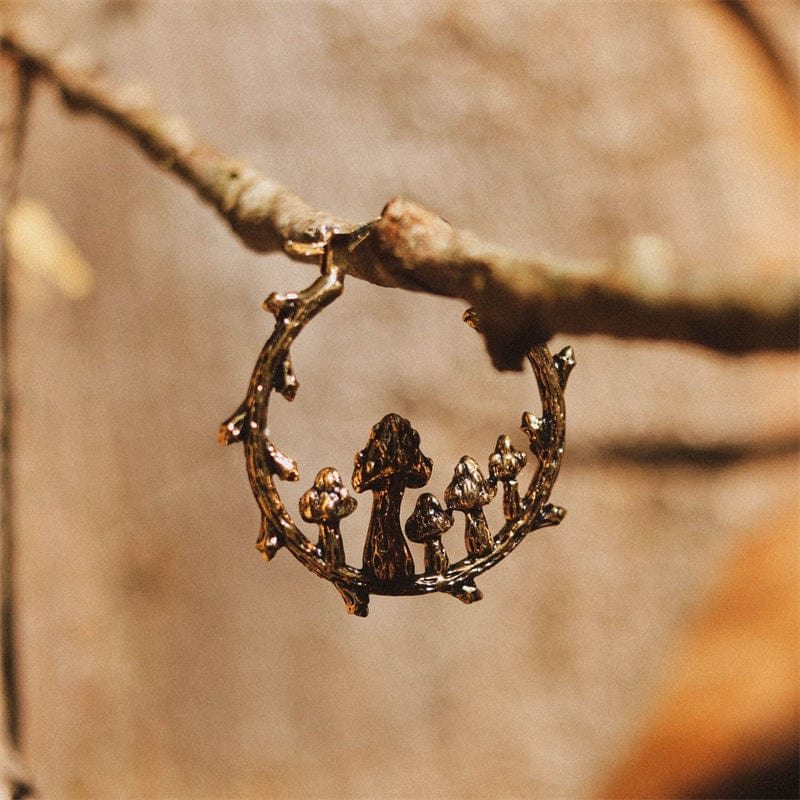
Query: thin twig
<point>521,300</point>
<point>14,97</point>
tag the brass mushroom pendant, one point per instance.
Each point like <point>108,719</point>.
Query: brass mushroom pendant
<point>390,462</point>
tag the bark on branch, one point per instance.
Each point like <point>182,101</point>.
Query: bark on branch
<point>521,300</point>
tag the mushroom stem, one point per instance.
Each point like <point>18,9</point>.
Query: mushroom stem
<point>511,503</point>
<point>386,554</point>
<point>477,536</point>
<point>330,543</point>
<point>436,560</point>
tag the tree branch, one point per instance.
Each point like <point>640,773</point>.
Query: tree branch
<point>521,300</point>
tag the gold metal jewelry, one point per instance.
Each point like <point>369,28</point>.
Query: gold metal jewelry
<point>390,462</point>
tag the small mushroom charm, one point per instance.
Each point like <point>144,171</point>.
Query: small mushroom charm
<point>325,503</point>
<point>425,526</point>
<point>468,492</point>
<point>505,463</point>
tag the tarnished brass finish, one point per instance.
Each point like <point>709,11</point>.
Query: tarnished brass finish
<point>390,462</point>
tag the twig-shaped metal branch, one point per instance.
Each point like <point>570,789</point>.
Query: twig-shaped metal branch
<point>522,300</point>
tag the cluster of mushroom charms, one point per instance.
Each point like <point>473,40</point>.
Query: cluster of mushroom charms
<point>391,462</point>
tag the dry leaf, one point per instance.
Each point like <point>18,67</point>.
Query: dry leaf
<point>40,246</point>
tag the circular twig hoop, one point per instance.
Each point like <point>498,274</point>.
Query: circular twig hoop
<point>390,462</point>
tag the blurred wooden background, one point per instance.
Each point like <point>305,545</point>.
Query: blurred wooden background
<point>159,656</point>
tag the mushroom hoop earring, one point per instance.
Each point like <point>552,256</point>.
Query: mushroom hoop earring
<point>390,462</point>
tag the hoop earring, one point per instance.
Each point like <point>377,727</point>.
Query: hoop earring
<point>390,462</point>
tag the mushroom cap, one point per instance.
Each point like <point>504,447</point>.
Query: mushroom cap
<point>328,499</point>
<point>468,489</point>
<point>506,462</point>
<point>391,451</point>
<point>428,520</point>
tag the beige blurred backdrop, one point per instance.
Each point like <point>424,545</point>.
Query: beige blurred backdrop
<point>159,655</point>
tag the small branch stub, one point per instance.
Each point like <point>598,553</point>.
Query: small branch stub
<point>564,362</point>
<point>536,430</point>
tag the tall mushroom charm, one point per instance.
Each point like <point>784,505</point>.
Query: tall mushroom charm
<point>389,463</point>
